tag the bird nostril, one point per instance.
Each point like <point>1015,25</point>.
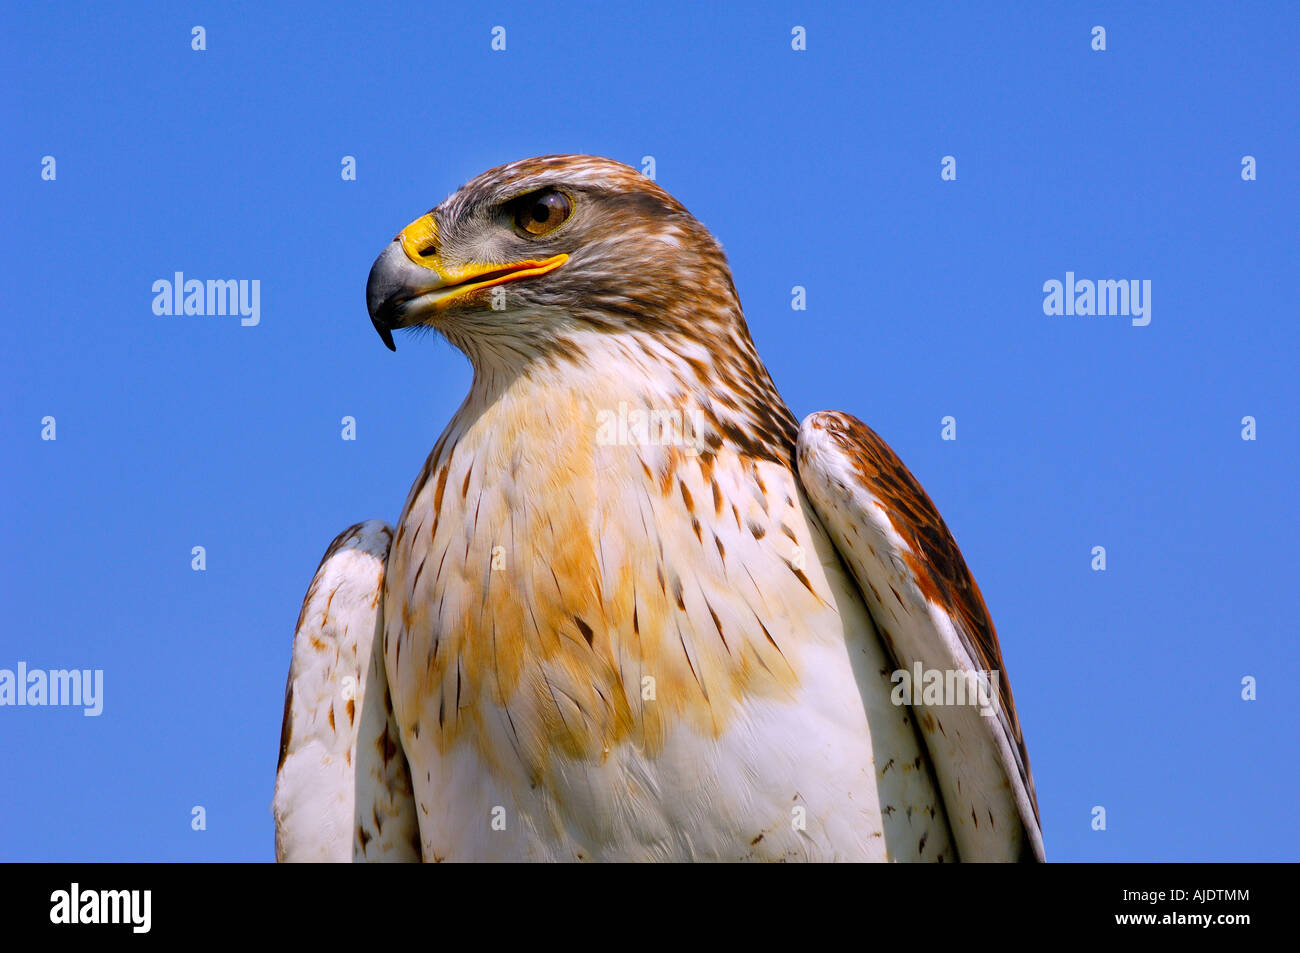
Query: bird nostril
<point>428,250</point>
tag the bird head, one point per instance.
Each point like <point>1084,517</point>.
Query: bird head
<point>579,263</point>
<point>528,255</point>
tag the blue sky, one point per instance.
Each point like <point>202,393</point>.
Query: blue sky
<point>818,168</point>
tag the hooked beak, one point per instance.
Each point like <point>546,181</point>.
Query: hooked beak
<point>409,281</point>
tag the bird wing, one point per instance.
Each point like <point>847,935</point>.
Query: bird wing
<point>343,789</point>
<point>929,612</point>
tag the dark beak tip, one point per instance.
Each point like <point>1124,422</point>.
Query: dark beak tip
<point>385,335</point>
<point>382,286</point>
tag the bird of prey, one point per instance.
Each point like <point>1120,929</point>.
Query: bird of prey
<point>633,609</point>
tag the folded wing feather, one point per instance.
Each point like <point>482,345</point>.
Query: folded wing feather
<point>929,611</point>
<point>343,789</point>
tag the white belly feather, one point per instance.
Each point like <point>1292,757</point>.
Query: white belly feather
<point>538,579</point>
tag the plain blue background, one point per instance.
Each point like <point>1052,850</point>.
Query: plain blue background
<point>819,169</point>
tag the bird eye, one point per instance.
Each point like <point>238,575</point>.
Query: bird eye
<point>542,212</point>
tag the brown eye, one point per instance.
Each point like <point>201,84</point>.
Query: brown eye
<point>542,212</point>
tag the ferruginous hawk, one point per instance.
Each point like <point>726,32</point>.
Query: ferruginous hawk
<point>632,609</point>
